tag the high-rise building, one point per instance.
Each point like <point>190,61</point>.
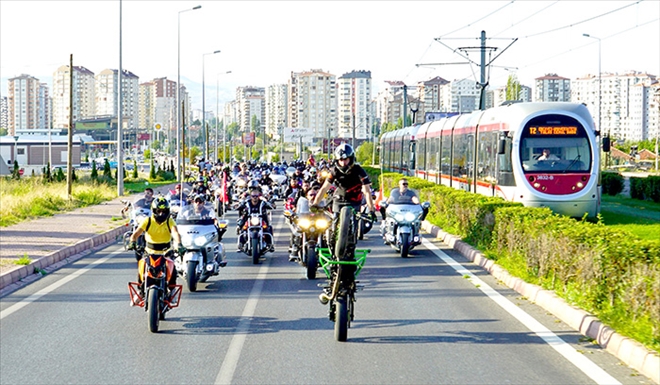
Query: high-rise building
<point>429,92</point>
<point>107,95</point>
<point>389,102</point>
<point>313,102</point>
<point>460,96</point>
<point>353,115</point>
<point>625,103</point>
<point>23,99</point>
<point>276,103</point>
<point>250,102</point>
<point>4,113</point>
<point>552,88</point>
<point>45,107</point>
<point>83,95</point>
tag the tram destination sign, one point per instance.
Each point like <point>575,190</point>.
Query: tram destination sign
<point>553,130</point>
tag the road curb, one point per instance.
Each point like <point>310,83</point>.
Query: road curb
<point>12,276</point>
<point>631,352</point>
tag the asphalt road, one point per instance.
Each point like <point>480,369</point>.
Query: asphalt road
<point>420,320</point>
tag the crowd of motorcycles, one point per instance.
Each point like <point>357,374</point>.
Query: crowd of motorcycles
<point>320,238</point>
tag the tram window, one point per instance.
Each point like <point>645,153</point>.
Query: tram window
<point>555,154</point>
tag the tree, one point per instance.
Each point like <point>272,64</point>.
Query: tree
<point>512,88</point>
<point>197,123</point>
<point>95,173</point>
<point>107,172</point>
<point>364,153</point>
<point>15,173</point>
<point>135,171</point>
<point>152,170</point>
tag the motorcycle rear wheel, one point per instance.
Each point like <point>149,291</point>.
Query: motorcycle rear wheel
<point>255,250</point>
<point>191,276</point>
<point>341,318</point>
<point>153,303</point>
<point>405,245</point>
<point>344,232</point>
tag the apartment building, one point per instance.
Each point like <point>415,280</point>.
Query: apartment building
<point>552,88</point>
<point>313,102</point>
<point>23,103</point>
<point>460,96</point>
<point>250,103</point>
<point>389,102</point>
<point>4,113</point>
<point>107,95</point>
<point>625,110</point>
<point>429,95</point>
<point>45,104</point>
<point>276,103</point>
<point>353,96</point>
<point>83,95</point>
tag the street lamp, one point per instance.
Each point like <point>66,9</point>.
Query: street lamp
<point>414,110</point>
<point>204,130</point>
<point>217,113</point>
<point>599,92</point>
<point>179,162</point>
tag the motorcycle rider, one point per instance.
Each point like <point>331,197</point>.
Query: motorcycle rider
<point>403,195</point>
<point>255,205</point>
<point>159,229</point>
<point>302,208</point>
<point>201,187</point>
<point>144,202</point>
<point>351,180</point>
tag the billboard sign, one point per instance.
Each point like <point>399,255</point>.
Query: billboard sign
<point>294,134</point>
<point>144,136</point>
<point>248,139</point>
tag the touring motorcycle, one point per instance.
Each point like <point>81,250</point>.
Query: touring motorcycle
<point>400,229</point>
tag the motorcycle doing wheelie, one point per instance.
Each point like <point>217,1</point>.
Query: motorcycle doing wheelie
<point>400,229</point>
<point>153,293</point>
<point>342,263</point>
<point>311,228</point>
<point>204,255</point>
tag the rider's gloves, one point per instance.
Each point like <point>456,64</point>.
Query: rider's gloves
<point>181,250</point>
<point>132,245</point>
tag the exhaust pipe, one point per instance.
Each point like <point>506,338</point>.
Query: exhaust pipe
<point>324,298</point>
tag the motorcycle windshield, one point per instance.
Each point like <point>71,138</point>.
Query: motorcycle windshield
<point>196,215</point>
<point>396,198</point>
<point>404,212</point>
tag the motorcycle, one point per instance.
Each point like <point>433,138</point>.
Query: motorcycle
<point>342,263</point>
<point>176,205</point>
<point>204,255</point>
<point>136,214</point>
<point>400,229</point>
<point>364,226</point>
<point>252,239</point>
<point>311,226</point>
<point>152,294</point>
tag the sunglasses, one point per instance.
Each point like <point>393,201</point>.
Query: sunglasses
<point>404,184</point>
<point>254,196</point>
<point>198,201</point>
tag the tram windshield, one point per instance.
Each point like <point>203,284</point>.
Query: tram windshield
<point>555,148</point>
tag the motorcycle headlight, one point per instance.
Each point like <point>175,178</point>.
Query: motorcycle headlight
<point>201,240</point>
<point>241,183</point>
<point>322,224</point>
<point>304,223</point>
<point>399,217</point>
<point>255,221</point>
<point>409,217</point>
<point>186,240</point>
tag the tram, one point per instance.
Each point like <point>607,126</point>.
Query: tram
<point>540,154</point>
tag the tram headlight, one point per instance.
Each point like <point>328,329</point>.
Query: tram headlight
<point>580,184</point>
<point>537,185</point>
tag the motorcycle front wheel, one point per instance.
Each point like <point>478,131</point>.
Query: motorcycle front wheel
<point>405,245</point>
<point>255,250</point>
<point>191,276</point>
<point>153,304</point>
<point>341,318</point>
<point>344,232</point>
<point>312,262</point>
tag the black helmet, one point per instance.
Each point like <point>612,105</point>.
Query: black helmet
<point>160,209</point>
<point>345,151</point>
<point>254,184</point>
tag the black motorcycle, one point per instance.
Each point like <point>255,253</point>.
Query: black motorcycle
<point>342,263</point>
<point>311,227</point>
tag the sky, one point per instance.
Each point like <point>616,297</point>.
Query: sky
<point>262,42</point>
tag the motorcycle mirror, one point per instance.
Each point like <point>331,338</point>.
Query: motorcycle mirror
<point>223,223</point>
<point>287,213</point>
<point>426,205</point>
<point>383,204</point>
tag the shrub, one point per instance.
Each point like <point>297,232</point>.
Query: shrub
<point>107,172</point>
<point>95,172</point>
<point>612,183</point>
<point>637,188</point>
<point>152,170</point>
<point>135,169</point>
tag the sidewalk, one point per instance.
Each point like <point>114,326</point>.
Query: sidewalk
<point>49,240</point>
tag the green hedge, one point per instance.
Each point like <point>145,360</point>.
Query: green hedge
<point>645,188</point>
<point>612,183</point>
<point>605,271</point>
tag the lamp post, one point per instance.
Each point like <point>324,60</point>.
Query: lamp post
<point>179,162</point>
<point>607,157</point>
<point>204,129</point>
<point>217,117</point>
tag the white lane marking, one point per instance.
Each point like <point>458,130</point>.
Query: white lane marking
<point>18,306</point>
<point>229,364</point>
<point>589,368</point>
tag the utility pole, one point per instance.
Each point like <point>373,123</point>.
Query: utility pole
<point>69,146</point>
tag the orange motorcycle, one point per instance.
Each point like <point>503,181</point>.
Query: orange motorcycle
<point>153,293</point>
